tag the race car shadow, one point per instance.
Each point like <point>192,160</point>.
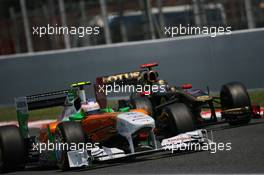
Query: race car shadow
<point>32,169</point>
<point>125,161</point>
<point>227,126</point>
<point>42,168</point>
<point>112,163</point>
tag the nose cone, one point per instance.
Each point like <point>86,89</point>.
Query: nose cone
<point>130,122</point>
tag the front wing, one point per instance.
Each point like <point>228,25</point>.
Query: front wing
<point>174,144</point>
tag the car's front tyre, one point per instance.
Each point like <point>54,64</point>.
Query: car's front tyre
<point>67,133</point>
<point>179,119</point>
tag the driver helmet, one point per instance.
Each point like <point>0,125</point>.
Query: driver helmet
<point>162,82</point>
<point>90,107</point>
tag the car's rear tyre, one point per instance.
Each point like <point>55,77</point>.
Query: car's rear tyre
<point>12,149</point>
<point>70,133</point>
<point>179,119</point>
<point>243,121</point>
<point>142,103</point>
<point>235,95</point>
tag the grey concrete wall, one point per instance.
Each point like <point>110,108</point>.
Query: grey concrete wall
<point>198,60</point>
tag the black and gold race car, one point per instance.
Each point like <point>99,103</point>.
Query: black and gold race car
<point>178,108</point>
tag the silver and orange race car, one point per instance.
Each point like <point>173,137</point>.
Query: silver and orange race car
<point>85,133</point>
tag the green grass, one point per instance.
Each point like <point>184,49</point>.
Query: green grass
<point>257,97</point>
<point>9,113</point>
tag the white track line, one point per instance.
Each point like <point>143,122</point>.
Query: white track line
<point>33,124</point>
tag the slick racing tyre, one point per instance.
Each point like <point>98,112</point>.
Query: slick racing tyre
<point>12,151</point>
<point>235,95</point>
<point>70,133</point>
<point>142,103</point>
<point>179,119</point>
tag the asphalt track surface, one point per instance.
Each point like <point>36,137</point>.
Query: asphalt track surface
<point>246,156</point>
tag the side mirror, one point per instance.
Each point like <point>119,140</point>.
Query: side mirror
<point>148,65</point>
<point>186,86</point>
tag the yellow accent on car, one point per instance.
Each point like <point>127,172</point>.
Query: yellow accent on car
<point>204,98</point>
<point>80,84</point>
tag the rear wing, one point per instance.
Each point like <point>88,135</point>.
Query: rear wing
<point>51,99</point>
<point>127,78</point>
<point>104,82</point>
<point>132,77</point>
<point>47,100</point>
<point>39,101</point>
